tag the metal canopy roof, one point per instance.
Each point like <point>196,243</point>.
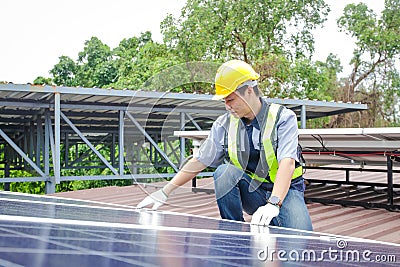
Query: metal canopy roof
<point>98,109</point>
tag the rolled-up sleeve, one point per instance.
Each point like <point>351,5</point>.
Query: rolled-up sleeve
<point>211,152</point>
<point>287,135</point>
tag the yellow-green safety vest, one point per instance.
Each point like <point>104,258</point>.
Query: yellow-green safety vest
<point>270,155</point>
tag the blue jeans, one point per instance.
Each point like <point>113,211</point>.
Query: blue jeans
<point>235,191</point>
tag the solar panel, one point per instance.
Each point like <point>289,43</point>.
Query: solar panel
<point>49,231</point>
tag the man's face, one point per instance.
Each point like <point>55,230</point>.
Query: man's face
<point>237,104</point>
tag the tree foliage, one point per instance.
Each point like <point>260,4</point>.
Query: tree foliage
<point>96,66</point>
<point>375,75</point>
<point>43,81</point>
<point>64,72</point>
<point>302,78</point>
<point>212,29</point>
<point>138,59</point>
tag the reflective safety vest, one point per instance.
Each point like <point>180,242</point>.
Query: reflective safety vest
<point>268,153</point>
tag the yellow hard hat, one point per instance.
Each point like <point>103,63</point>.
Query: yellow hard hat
<point>230,75</point>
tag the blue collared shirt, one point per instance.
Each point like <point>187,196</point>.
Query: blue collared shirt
<point>254,154</point>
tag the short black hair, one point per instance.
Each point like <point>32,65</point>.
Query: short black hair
<point>242,89</point>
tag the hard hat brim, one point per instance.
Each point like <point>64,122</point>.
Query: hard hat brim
<point>220,97</point>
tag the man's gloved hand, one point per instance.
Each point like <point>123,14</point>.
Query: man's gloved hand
<point>157,198</point>
<point>265,214</point>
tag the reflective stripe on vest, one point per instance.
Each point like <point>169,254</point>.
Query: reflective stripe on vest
<point>270,155</point>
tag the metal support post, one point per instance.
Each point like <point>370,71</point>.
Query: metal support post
<point>66,149</point>
<point>182,140</point>
<point>39,135</point>
<point>6,175</point>
<point>390,181</point>
<point>57,143</point>
<point>347,176</point>
<point>50,185</point>
<point>121,143</point>
<point>303,124</point>
<point>31,152</point>
<point>112,150</point>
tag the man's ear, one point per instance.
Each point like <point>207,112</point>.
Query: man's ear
<point>250,90</point>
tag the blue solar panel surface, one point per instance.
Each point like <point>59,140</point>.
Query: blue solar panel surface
<point>45,231</point>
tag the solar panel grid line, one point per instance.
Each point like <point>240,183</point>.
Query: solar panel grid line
<point>319,236</point>
<point>219,257</point>
<point>130,209</point>
<point>83,251</point>
<point>151,244</point>
<point>9,264</point>
<point>193,252</point>
<point>158,227</point>
<point>130,254</point>
<point>19,195</point>
<point>101,205</point>
<point>120,209</point>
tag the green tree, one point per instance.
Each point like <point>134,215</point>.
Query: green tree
<point>301,78</point>
<point>375,76</point>
<point>140,58</point>
<point>43,81</point>
<point>212,29</point>
<point>96,65</point>
<point>64,72</point>
<point>274,36</point>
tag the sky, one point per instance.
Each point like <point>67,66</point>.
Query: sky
<point>34,34</point>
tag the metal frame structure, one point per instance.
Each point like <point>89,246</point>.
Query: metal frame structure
<point>350,147</point>
<point>384,194</point>
<point>43,129</point>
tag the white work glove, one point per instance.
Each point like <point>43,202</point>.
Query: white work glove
<point>157,198</point>
<point>265,214</point>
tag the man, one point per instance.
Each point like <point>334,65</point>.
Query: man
<point>254,148</point>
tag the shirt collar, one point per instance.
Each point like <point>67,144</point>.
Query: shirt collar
<point>260,116</point>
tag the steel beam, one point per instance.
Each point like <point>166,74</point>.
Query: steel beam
<point>57,136</point>
<point>182,140</point>
<point>303,117</point>
<point>88,143</point>
<point>50,185</point>
<point>87,152</point>
<point>194,122</point>
<point>121,142</point>
<point>148,137</point>
<point>20,152</point>
<point>390,181</point>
